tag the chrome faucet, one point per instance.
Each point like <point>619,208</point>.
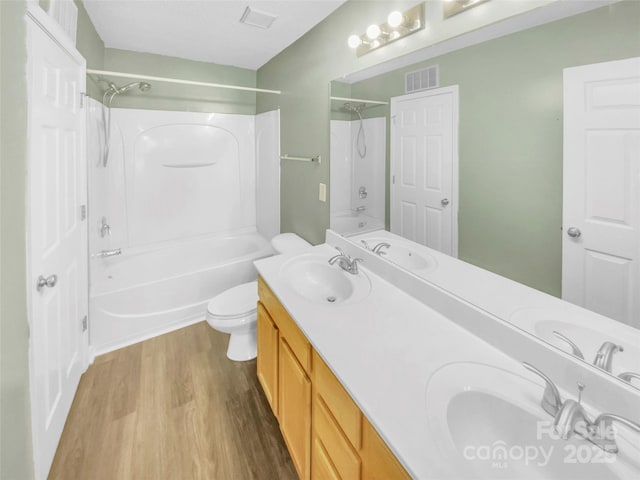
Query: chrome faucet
<point>345,262</point>
<point>604,357</point>
<point>105,229</point>
<point>570,417</point>
<point>378,248</point>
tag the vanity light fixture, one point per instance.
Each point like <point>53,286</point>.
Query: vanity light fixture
<point>397,26</point>
<point>453,7</point>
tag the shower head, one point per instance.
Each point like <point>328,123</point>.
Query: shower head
<point>354,107</point>
<point>142,86</point>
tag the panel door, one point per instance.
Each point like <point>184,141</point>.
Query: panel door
<point>267,362</point>
<point>601,213</point>
<point>294,390</point>
<point>423,168</point>
<point>57,239</point>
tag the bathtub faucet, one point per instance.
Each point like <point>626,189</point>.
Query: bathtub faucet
<point>109,253</point>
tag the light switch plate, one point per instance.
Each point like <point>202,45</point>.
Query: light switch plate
<point>322,192</point>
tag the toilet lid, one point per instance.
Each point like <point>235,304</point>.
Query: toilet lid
<point>235,302</point>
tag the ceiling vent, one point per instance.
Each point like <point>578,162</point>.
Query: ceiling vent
<point>422,79</point>
<point>257,18</point>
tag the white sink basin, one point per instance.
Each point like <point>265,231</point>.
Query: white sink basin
<point>487,422</point>
<point>404,256</point>
<point>587,333</point>
<point>311,277</point>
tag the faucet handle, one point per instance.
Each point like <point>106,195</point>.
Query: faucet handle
<point>551,400</point>
<point>574,348</point>
<point>366,245</point>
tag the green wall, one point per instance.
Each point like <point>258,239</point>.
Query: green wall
<point>166,96</point>
<point>303,72</point>
<point>510,133</point>
<point>16,460</point>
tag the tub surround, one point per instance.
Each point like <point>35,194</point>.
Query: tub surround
<point>384,349</point>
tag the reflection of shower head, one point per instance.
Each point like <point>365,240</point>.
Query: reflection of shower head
<point>354,107</point>
<point>143,86</point>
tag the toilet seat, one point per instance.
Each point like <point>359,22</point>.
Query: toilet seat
<point>237,302</point>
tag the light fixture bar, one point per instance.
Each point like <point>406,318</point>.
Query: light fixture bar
<point>412,21</point>
<point>454,7</point>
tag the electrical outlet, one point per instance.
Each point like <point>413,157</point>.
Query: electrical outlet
<point>322,192</point>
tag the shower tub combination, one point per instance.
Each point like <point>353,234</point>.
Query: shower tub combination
<point>173,217</point>
<point>144,293</point>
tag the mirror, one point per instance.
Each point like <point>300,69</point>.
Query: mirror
<point>511,152</point>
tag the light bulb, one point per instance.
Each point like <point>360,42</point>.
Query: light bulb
<point>395,19</point>
<point>373,32</point>
<point>354,41</point>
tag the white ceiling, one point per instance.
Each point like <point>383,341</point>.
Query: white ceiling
<point>205,30</point>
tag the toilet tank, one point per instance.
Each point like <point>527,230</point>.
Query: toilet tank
<point>289,243</point>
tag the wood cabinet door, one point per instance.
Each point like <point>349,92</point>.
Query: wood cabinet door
<point>378,462</point>
<point>321,466</point>
<point>294,398</point>
<point>267,363</point>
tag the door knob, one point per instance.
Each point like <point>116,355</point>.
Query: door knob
<point>50,281</point>
<point>574,232</point>
<point>444,202</point>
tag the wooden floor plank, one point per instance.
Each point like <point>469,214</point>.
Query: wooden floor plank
<point>172,407</point>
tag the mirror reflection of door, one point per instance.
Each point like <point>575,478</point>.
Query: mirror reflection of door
<point>601,189</point>
<point>424,166</point>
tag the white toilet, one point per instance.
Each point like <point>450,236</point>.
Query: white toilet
<point>234,310</point>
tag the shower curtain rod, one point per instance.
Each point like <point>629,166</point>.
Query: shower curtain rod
<point>361,100</point>
<point>179,81</point>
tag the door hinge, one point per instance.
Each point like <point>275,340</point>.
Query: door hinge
<point>82,96</point>
<point>393,179</point>
<point>85,323</point>
<point>83,213</point>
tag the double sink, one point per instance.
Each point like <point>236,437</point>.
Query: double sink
<point>484,421</point>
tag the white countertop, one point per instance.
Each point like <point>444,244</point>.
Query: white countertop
<point>383,350</point>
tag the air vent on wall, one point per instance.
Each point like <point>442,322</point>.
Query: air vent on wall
<point>422,79</point>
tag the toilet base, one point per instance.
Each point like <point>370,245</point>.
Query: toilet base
<point>242,346</point>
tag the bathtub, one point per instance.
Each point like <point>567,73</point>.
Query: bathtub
<point>144,293</point>
<point>354,223</point>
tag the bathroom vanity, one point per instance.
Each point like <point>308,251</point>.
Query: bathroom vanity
<point>380,374</point>
<point>323,428</point>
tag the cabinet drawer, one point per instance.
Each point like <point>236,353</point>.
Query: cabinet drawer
<point>343,456</point>
<point>288,328</point>
<point>338,401</point>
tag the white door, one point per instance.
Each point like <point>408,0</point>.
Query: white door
<point>57,238</point>
<point>424,168</point>
<point>601,213</point>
